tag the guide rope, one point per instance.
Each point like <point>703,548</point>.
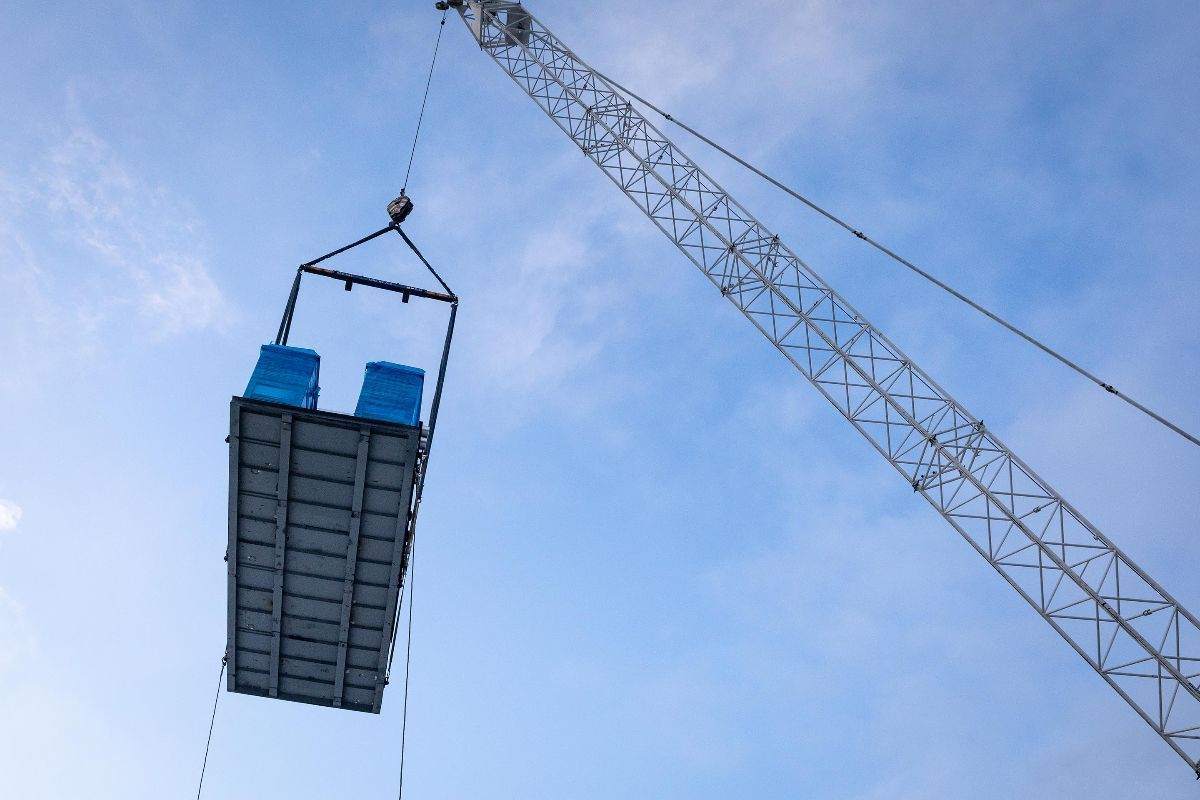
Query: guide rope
<point>211,723</point>
<point>412,581</point>
<point>421,116</point>
<point>1045,348</point>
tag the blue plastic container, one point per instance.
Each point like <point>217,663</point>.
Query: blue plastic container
<point>391,392</point>
<point>288,375</point>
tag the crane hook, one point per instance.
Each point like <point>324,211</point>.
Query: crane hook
<point>399,209</point>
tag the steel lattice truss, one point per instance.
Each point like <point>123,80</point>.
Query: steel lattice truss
<point>1136,636</point>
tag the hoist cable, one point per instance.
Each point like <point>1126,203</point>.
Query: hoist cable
<point>1045,348</point>
<point>211,723</point>
<point>412,582</point>
<point>421,116</point>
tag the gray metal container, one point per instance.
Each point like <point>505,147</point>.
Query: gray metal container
<point>319,509</point>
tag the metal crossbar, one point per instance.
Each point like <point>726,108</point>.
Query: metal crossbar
<point>1137,637</point>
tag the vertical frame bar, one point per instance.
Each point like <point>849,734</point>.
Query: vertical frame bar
<point>231,549</point>
<point>281,513</point>
<point>360,481</point>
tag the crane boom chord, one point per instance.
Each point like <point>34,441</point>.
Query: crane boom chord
<point>1134,634</point>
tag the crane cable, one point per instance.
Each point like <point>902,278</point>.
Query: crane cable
<point>413,553</point>
<point>421,116</point>
<point>1045,348</point>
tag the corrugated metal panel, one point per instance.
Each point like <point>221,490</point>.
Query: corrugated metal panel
<point>319,505</point>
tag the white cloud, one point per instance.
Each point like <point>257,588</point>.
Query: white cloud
<point>187,298</point>
<point>10,515</point>
<point>89,248</point>
<point>539,306</point>
<point>700,70</point>
<point>528,342</point>
<point>143,230</point>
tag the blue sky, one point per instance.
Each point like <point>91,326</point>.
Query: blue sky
<point>651,563</point>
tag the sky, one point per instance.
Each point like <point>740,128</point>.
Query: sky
<point>652,561</point>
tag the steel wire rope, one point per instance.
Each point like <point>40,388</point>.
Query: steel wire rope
<point>424,99</point>
<point>1045,348</point>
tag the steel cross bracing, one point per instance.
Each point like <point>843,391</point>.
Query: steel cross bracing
<point>1131,631</point>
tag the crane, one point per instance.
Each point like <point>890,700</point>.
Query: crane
<point>1138,638</point>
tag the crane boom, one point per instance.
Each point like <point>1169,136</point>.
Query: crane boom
<point>1134,634</point>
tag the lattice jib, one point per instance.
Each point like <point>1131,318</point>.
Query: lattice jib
<point>1137,638</point>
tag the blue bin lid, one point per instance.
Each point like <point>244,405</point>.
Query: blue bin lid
<point>388,366</point>
<point>287,351</point>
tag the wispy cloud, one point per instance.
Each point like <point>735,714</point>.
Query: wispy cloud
<point>539,307</point>
<point>10,515</point>
<point>682,57</point>
<point>91,251</point>
<point>529,342</point>
<point>149,235</point>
